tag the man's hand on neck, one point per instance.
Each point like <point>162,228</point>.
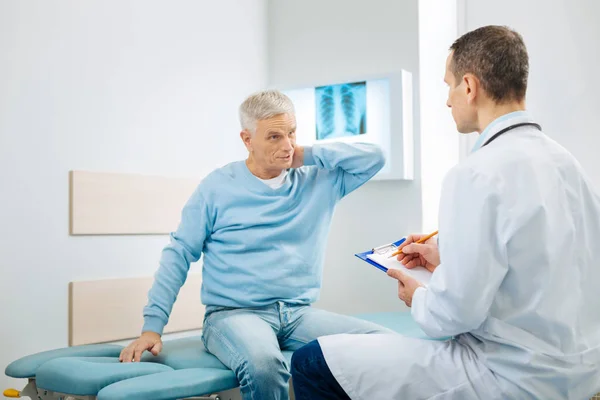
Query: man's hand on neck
<point>298,159</point>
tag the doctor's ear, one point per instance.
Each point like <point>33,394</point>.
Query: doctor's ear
<point>472,87</point>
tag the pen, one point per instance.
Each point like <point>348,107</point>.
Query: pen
<point>422,240</point>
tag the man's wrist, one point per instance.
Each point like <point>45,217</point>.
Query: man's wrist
<point>151,333</point>
<point>153,324</point>
<point>307,156</point>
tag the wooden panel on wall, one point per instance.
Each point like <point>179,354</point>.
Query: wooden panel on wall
<point>126,204</point>
<point>111,309</point>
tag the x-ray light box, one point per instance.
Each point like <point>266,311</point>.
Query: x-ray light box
<point>376,110</point>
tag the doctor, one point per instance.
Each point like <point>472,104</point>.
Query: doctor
<point>516,282</point>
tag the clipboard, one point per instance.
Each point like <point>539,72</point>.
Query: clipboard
<point>419,273</point>
<point>363,255</point>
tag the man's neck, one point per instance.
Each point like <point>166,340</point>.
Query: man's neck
<point>490,114</point>
<point>260,172</point>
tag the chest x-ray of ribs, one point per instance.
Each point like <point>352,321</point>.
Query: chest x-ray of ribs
<point>349,109</point>
<point>327,112</point>
<point>340,110</point>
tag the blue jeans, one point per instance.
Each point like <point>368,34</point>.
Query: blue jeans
<point>249,341</point>
<point>312,377</point>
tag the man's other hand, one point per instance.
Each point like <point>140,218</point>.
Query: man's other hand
<point>149,341</point>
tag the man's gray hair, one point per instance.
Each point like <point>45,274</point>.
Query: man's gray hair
<point>263,105</point>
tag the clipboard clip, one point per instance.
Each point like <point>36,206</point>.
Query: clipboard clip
<point>384,249</point>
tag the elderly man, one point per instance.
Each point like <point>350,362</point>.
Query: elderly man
<point>262,225</point>
<point>516,279</point>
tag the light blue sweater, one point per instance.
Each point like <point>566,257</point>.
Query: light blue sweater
<point>261,245</point>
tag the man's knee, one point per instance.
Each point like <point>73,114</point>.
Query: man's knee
<point>264,369</point>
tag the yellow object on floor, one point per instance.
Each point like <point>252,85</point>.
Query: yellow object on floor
<point>12,393</point>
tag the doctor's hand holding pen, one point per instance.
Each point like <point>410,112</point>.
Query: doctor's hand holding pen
<point>416,250</point>
<point>420,250</point>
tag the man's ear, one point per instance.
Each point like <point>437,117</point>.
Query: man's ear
<point>472,87</point>
<point>247,139</point>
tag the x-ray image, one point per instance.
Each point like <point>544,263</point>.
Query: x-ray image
<point>341,110</point>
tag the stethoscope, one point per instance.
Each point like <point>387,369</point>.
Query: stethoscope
<point>510,128</point>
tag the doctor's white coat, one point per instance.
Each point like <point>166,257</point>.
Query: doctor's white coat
<point>518,288</point>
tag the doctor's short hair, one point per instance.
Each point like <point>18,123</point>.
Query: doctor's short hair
<point>263,105</point>
<point>498,57</point>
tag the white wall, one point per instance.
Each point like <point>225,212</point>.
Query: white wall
<point>314,40</point>
<point>438,29</point>
<point>139,86</point>
<point>563,39</point>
